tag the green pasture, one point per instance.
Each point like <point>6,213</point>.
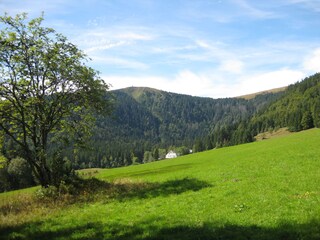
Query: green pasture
<point>262,190</point>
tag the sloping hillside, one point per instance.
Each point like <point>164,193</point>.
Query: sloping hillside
<point>265,190</point>
<point>297,109</point>
<point>253,95</point>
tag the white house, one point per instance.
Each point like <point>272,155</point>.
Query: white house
<point>171,154</point>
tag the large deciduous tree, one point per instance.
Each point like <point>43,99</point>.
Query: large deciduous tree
<point>47,93</point>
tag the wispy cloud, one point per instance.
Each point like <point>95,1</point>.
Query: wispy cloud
<point>253,11</point>
<point>227,11</point>
<point>227,59</point>
<point>268,80</point>
<point>117,62</point>
<point>312,61</point>
<point>313,5</point>
<point>103,45</point>
<point>232,65</point>
<point>33,7</point>
<point>97,39</point>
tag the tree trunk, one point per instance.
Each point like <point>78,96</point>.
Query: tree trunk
<point>43,174</point>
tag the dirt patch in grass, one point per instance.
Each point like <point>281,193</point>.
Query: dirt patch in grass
<point>272,134</point>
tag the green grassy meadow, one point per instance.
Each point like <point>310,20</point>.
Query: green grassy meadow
<point>262,190</point>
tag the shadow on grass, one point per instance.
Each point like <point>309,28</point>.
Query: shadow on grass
<point>90,190</point>
<point>129,189</point>
<point>162,170</point>
<point>148,230</point>
<point>124,189</point>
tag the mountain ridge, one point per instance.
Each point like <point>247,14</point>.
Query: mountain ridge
<point>136,92</point>
<point>253,95</point>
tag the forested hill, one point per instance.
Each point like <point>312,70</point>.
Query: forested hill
<point>147,122</point>
<point>176,119</point>
<point>297,109</point>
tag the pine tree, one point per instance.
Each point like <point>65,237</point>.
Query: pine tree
<point>307,121</point>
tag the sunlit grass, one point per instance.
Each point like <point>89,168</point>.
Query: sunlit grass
<point>262,190</point>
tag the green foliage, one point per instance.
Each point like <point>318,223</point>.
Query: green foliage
<point>182,150</point>
<point>148,157</point>
<point>5,180</point>
<point>48,95</point>
<point>198,146</point>
<point>49,193</point>
<point>15,174</point>
<point>316,113</point>
<point>2,161</point>
<point>307,121</point>
<point>20,173</point>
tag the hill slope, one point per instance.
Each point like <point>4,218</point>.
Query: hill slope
<point>297,109</point>
<point>263,190</point>
<point>253,95</point>
<point>148,119</point>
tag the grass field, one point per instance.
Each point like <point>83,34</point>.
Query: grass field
<point>263,190</point>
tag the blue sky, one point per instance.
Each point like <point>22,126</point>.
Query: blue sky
<point>211,48</point>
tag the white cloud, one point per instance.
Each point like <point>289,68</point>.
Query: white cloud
<point>191,83</point>
<point>184,82</point>
<point>313,5</point>
<point>133,36</point>
<point>210,85</point>
<point>170,50</point>
<point>312,62</point>
<point>230,75</point>
<point>97,40</point>
<point>119,62</point>
<point>229,61</point>
<point>33,7</point>
<point>233,66</point>
<point>103,45</point>
<point>118,82</point>
<point>203,44</point>
<point>268,80</point>
<point>254,11</point>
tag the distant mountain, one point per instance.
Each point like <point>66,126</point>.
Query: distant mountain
<point>173,119</point>
<point>146,119</point>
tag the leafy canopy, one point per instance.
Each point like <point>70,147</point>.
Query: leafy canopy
<point>47,93</point>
